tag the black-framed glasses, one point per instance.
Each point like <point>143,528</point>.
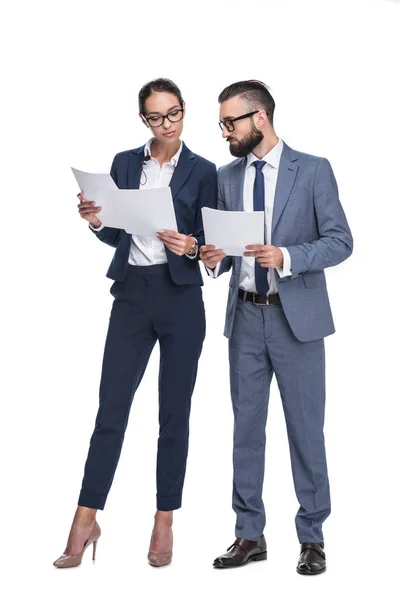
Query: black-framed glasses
<point>174,116</point>
<point>228,123</point>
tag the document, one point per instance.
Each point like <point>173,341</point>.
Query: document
<point>145,211</point>
<point>95,187</point>
<point>232,231</point>
<point>139,212</point>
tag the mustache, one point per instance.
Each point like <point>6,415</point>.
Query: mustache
<point>230,139</point>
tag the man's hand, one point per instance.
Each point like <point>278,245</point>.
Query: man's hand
<point>269,257</point>
<point>88,211</point>
<point>178,243</point>
<point>211,256</point>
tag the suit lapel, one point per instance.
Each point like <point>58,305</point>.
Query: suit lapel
<point>286,178</point>
<point>182,170</point>
<point>135,168</point>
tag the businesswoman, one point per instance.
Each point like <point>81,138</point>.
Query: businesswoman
<point>157,297</point>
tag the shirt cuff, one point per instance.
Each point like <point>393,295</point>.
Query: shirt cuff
<point>96,229</point>
<point>286,269</point>
<point>213,272</point>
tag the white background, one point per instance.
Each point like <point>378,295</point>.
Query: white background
<point>70,82</point>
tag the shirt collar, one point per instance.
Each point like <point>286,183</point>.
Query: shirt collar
<point>174,159</point>
<point>272,157</point>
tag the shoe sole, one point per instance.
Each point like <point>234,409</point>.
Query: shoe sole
<point>311,572</point>
<point>159,566</point>
<point>260,556</point>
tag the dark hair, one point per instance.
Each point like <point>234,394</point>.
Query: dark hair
<point>256,94</point>
<point>158,85</point>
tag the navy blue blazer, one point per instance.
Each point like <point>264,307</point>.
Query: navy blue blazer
<point>193,185</point>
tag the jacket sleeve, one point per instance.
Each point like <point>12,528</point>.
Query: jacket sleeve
<point>207,197</point>
<point>335,243</point>
<point>109,235</point>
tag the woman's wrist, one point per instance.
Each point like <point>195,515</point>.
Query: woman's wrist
<point>193,247</point>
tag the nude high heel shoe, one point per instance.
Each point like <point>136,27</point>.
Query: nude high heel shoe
<point>66,561</point>
<point>159,560</point>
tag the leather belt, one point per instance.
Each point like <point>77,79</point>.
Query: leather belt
<point>258,299</point>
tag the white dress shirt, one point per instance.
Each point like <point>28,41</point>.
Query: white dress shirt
<point>145,251</point>
<point>270,171</point>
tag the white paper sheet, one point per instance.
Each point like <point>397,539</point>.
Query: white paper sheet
<point>139,212</point>
<point>95,187</point>
<point>145,211</point>
<point>232,231</point>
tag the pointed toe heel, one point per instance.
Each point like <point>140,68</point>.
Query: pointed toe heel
<point>67,561</point>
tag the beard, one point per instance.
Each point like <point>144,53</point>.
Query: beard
<point>247,144</point>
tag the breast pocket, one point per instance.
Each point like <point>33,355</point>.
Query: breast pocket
<point>314,280</point>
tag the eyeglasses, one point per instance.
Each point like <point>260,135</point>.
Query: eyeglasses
<point>228,123</point>
<point>173,117</point>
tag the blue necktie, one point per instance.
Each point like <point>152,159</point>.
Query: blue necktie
<point>261,273</point>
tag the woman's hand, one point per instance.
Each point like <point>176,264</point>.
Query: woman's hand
<point>178,243</point>
<point>88,211</point>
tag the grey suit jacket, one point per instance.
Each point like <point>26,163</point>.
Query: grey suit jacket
<point>308,219</point>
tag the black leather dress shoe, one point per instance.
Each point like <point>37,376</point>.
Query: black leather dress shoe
<point>241,552</point>
<point>312,559</point>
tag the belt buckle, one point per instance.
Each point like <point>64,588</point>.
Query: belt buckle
<point>266,303</point>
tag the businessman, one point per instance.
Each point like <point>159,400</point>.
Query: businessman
<point>278,315</point>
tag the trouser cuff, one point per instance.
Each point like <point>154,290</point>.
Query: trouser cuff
<point>169,502</point>
<point>92,500</point>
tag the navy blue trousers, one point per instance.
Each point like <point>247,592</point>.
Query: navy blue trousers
<point>148,307</point>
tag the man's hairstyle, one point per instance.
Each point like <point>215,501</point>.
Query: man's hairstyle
<point>158,85</point>
<point>256,94</point>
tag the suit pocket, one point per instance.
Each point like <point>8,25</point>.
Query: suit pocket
<point>315,279</point>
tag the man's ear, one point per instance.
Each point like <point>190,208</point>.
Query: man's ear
<point>261,118</point>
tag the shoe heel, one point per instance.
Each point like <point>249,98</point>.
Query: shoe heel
<point>261,556</point>
<point>94,550</point>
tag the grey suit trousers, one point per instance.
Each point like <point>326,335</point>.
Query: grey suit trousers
<point>262,344</point>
